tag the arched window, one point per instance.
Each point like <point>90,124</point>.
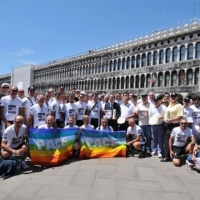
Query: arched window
<point>149,58</point>
<point>190,52</point>
<point>123,63</point>
<point>174,78</point>
<point>148,81</point>
<point>142,81</point>
<point>137,81</point>
<point>133,62</point>
<point>119,64</point>
<point>128,62</point>
<point>160,79</point>
<point>168,55</point>
<point>182,53</point>
<point>107,66</point>
<point>182,77</point>
<point>99,67</point>
<point>198,50</point>
<point>138,61</point>
<point>111,66</point>
<point>161,57</point>
<point>96,68</point>
<point>118,82</point>
<point>109,84</point>
<point>143,60</point>
<point>103,67</point>
<point>115,65</point>
<point>189,77</point>
<point>167,79</point>
<point>132,82</point>
<point>127,82</point>
<point>122,83</point>
<point>155,58</point>
<point>175,55</point>
<point>114,83</point>
<point>196,76</point>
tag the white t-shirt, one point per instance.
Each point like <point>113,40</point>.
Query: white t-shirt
<point>62,110</point>
<point>157,112</point>
<point>11,107</point>
<point>74,126</point>
<point>181,136</point>
<point>95,113</point>
<point>81,107</point>
<point>55,107</point>
<point>195,114</point>
<point>27,102</point>
<point>11,138</point>
<point>70,111</point>
<point>187,112</point>
<point>44,126</point>
<point>127,110</point>
<point>135,131</point>
<point>107,128</point>
<point>39,114</point>
<point>144,109</point>
<point>89,127</point>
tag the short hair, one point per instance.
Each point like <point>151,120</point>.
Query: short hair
<point>104,119</point>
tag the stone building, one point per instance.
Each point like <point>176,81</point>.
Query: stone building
<point>165,61</point>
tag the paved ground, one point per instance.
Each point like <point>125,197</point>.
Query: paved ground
<point>105,179</point>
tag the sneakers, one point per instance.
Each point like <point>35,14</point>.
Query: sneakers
<point>159,155</point>
<point>141,155</point>
<point>24,165</point>
<point>153,153</point>
<point>189,164</point>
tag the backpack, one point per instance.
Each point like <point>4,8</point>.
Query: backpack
<point>8,167</point>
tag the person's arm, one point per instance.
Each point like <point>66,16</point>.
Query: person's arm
<point>9,149</point>
<point>178,118</point>
<point>171,139</point>
<point>30,121</point>
<point>2,116</point>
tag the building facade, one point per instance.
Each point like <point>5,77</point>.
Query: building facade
<point>165,61</point>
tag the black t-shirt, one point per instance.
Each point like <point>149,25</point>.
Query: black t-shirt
<point>197,139</point>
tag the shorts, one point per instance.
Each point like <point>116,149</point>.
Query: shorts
<point>178,151</point>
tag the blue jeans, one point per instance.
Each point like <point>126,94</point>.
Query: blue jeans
<point>146,129</point>
<point>189,158</point>
<point>158,136</point>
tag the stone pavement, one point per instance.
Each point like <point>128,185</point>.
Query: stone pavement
<point>104,179</point>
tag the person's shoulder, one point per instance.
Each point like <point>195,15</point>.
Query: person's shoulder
<point>9,128</point>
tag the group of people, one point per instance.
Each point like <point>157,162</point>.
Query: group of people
<point>154,125</point>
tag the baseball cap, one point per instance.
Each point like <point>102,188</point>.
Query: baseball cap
<point>82,92</point>
<point>187,99</point>
<point>5,84</point>
<point>103,94</point>
<point>190,120</point>
<point>174,94</point>
<point>135,95</point>
<point>31,88</point>
<point>156,99</point>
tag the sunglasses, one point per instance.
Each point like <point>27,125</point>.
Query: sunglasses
<point>183,123</point>
<point>5,87</point>
<point>14,90</point>
<point>19,122</point>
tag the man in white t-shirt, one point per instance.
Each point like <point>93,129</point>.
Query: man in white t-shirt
<point>10,107</point>
<point>104,125</point>
<point>51,92</point>
<point>70,109</point>
<point>13,141</point>
<point>134,137</point>
<point>81,109</point>
<point>49,123</point>
<point>86,124</point>
<point>196,110</point>
<point>38,113</point>
<point>156,116</point>
<point>188,111</point>
<point>28,101</point>
<point>181,141</point>
<point>95,111</point>
<point>56,109</point>
<point>143,113</point>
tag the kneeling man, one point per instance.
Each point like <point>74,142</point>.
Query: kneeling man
<point>181,141</point>
<point>13,141</point>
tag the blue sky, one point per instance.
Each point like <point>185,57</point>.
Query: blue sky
<point>39,31</point>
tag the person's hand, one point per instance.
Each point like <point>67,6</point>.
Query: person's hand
<point>171,154</point>
<point>168,121</point>
<point>18,152</point>
<point>129,143</point>
<point>189,148</point>
<point>193,158</point>
<point>24,148</point>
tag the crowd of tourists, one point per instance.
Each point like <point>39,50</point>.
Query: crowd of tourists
<point>162,125</point>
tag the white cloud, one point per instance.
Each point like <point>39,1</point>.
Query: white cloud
<point>22,52</point>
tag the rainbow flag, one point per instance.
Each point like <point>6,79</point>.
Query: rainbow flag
<point>50,147</point>
<point>102,144</point>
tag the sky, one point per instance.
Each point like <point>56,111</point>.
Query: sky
<point>40,31</point>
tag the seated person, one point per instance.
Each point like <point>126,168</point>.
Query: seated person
<point>86,124</point>
<point>181,141</point>
<point>49,123</point>
<point>191,160</point>
<point>134,136</point>
<point>71,123</point>
<point>104,125</point>
<point>13,141</point>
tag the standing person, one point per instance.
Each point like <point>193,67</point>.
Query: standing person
<point>143,113</point>
<point>20,93</point>
<point>151,97</point>
<point>13,142</point>
<point>188,111</point>
<point>51,91</point>
<point>166,97</point>
<point>55,108</point>
<point>70,109</point>
<point>95,111</point>
<point>38,113</point>
<point>28,101</point>
<point>172,116</point>
<point>156,113</point>
<point>112,112</point>
<point>62,110</point>
<point>118,98</point>
<point>10,107</point>
<point>46,100</point>
<point>127,111</point>
<point>196,110</point>
<point>81,108</point>
<point>181,141</point>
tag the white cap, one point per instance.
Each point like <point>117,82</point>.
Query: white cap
<point>5,84</point>
<point>190,120</point>
<point>83,92</point>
